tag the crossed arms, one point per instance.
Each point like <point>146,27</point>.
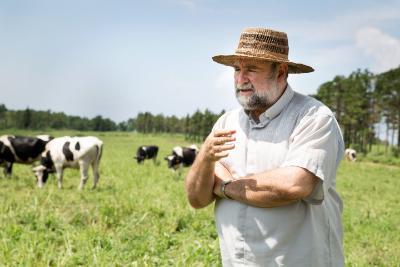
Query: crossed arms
<point>273,188</point>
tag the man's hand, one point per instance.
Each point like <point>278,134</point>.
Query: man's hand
<point>215,147</point>
<point>199,181</point>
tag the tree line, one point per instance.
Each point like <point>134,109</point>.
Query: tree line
<point>362,103</point>
<point>195,127</point>
<point>41,120</point>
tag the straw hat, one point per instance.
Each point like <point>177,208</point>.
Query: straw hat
<point>263,45</point>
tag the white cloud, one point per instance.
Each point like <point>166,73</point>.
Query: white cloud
<point>343,26</point>
<point>381,47</point>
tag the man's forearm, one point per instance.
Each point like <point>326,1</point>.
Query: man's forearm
<point>273,188</point>
<point>199,183</point>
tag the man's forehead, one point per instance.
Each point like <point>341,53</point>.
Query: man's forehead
<point>251,63</point>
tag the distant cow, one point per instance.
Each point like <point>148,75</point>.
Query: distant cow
<point>20,149</point>
<point>350,154</point>
<point>182,156</point>
<point>146,152</point>
<point>72,152</point>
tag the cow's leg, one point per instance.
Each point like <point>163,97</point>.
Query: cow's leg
<point>40,180</point>
<point>8,169</point>
<point>96,174</point>
<point>83,167</point>
<point>59,171</point>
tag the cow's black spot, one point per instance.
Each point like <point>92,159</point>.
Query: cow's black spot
<point>45,176</point>
<point>77,146</point>
<point>67,152</point>
<point>27,148</point>
<point>6,153</point>
<point>189,155</point>
<point>47,161</point>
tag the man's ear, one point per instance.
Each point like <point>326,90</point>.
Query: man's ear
<point>283,71</point>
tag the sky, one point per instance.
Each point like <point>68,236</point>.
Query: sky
<point>118,58</point>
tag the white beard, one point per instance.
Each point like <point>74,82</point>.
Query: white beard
<point>258,100</point>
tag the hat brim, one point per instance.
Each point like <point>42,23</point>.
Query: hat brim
<point>229,60</point>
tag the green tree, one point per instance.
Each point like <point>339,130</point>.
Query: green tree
<point>388,90</point>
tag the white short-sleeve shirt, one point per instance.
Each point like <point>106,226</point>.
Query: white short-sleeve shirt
<point>296,131</point>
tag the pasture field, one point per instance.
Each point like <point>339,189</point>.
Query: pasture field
<point>138,215</point>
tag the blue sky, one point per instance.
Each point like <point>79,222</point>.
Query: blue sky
<point>117,58</point>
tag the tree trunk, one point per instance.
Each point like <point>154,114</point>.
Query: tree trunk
<point>387,138</point>
<point>392,138</point>
<point>398,132</point>
<point>379,134</point>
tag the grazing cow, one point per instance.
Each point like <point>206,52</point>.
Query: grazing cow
<point>182,156</point>
<point>20,149</point>
<point>146,152</point>
<point>72,152</point>
<point>350,154</point>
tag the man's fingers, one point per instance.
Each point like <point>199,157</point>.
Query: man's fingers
<point>223,140</point>
<point>219,133</point>
<point>221,155</point>
<point>225,147</point>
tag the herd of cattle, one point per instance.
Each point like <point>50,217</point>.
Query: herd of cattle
<point>56,154</point>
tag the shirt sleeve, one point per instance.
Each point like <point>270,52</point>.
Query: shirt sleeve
<point>220,123</point>
<point>315,146</point>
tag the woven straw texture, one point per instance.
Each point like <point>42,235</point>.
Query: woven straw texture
<point>261,44</point>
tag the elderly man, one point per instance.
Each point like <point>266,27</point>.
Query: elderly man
<point>271,165</point>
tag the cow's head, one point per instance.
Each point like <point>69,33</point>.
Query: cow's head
<point>174,161</point>
<point>139,159</point>
<point>44,169</point>
<point>41,173</point>
<point>140,154</point>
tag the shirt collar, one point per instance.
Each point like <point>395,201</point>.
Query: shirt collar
<point>276,108</point>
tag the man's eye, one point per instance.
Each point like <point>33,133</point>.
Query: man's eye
<point>237,69</point>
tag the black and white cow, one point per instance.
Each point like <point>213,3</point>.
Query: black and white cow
<point>182,156</point>
<point>350,154</point>
<point>146,152</point>
<point>70,152</point>
<point>20,149</point>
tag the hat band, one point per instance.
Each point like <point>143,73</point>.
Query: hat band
<point>261,54</point>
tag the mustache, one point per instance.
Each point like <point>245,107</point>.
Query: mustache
<point>245,86</point>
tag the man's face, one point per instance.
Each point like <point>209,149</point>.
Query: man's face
<point>256,84</point>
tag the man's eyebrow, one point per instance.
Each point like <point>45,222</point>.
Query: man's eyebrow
<point>246,66</point>
<point>251,67</point>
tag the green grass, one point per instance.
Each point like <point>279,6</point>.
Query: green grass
<point>139,216</point>
<point>383,155</point>
<point>371,194</point>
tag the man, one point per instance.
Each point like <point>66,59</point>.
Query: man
<point>271,165</point>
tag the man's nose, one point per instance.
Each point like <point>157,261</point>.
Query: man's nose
<point>241,78</point>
